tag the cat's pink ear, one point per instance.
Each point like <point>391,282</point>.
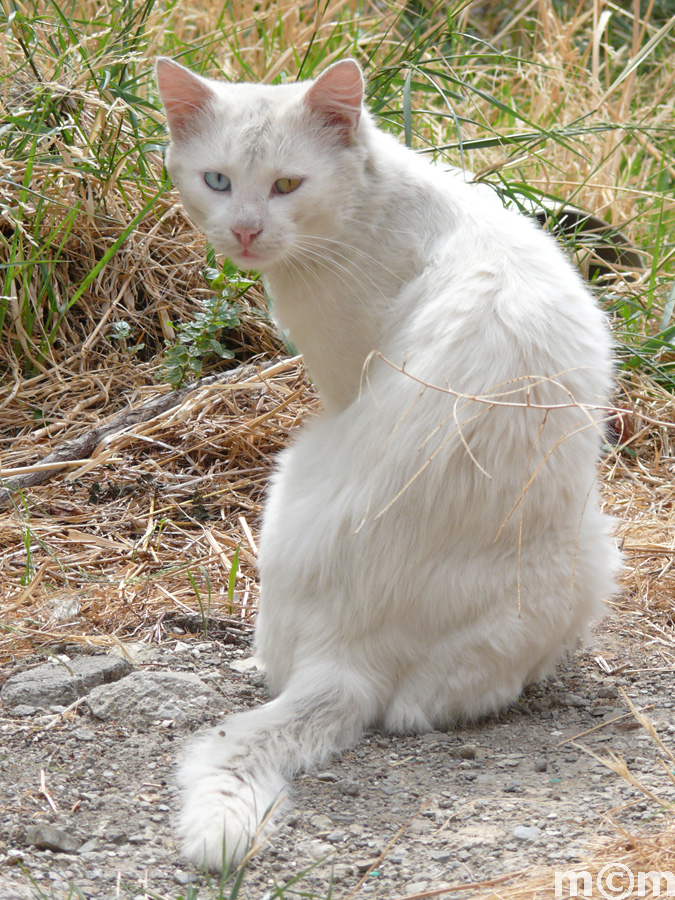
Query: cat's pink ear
<point>337,96</point>
<point>185,96</point>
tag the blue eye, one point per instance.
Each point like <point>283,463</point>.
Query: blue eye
<point>217,181</point>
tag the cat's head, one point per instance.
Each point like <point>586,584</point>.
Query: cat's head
<point>266,172</point>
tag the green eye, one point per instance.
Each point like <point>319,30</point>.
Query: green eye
<point>217,181</point>
<point>287,185</point>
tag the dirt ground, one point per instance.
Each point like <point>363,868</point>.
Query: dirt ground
<point>395,817</point>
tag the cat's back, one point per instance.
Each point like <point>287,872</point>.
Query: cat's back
<point>494,289</point>
<point>505,260</point>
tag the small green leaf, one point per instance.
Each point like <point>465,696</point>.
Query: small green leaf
<point>210,274</point>
<point>232,580</point>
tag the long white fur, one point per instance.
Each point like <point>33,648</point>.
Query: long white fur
<point>432,541</point>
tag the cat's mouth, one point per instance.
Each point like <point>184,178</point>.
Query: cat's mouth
<point>244,258</point>
<point>251,258</point>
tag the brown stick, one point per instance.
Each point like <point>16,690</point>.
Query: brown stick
<point>82,447</point>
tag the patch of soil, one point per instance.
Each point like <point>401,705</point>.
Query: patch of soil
<point>394,817</point>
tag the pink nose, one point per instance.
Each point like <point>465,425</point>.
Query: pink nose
<point>245,236</point>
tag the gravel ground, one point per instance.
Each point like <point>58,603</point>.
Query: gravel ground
<point>394,817</point>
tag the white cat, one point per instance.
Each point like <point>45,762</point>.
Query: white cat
<point>432,541</point>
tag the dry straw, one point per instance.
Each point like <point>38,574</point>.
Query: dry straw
<point>104,552</point>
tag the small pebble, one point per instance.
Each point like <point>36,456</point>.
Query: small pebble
<point>181,877</point>
<point>47,837</point>
<point>608,693</point>
<point>116,836</point>
<point>89,846</point>
<point>336,837</point>
<point>23,709</point>
<point>577,701</point>
<point>349,788</point>
<point>468,751</point>
<point>514,787</point>
<point>342,871</point>
<point>363,865</point>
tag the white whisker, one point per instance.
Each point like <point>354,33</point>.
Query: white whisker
<point>348,252</point>
<point>352,272</point>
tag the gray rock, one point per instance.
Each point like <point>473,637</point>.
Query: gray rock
<point>12,890</point>
<point>115,836</point>
<point>538,705</point>
<point>22,709</point>
<point>577,701</point>
<point>90,846</point>
<point>146,697</point>
<point>252,664</point>
<point>336,837</point>
<point>526,832</point>
<point>321,822</point>
<point>608,693</point>
<point>420,826</point>
<point>316,850</point>
<point>468,751</point>
<point>342,871</point>
<point>48,837</point>
<point>364,865</point>
<point>514,787</point>
<point>349,788</point>
<point>62,682</point>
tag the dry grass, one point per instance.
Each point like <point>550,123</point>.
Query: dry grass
<point>570,77</point>
<point>640,493</point>
<point>104,552</point>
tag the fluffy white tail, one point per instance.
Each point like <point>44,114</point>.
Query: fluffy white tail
<point>234,778</point>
